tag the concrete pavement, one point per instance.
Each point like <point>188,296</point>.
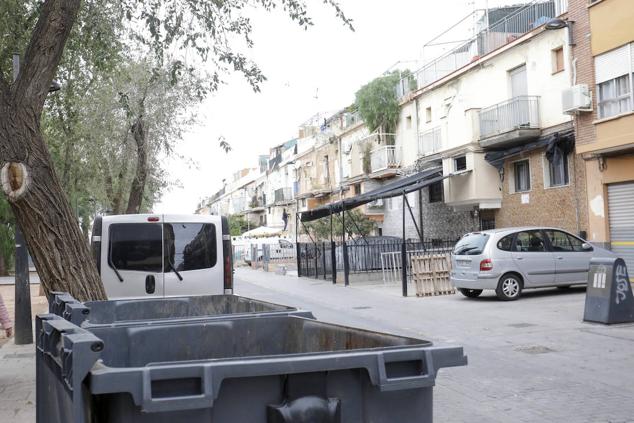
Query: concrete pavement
<point>531,360</point>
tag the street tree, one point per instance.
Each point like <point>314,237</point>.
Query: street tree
<point>207,27</point>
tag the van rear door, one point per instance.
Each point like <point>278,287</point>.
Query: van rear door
<point>193,255</point>
<point>132,256</point>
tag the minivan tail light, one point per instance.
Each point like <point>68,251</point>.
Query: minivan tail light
<point>227,257</point>
<point>153,219</point>
<point>486,265</point>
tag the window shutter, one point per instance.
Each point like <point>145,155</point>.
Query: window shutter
<point>613,64</point>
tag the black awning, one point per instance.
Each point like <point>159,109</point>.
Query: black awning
<point>399,187</point>
<point>556,143</point>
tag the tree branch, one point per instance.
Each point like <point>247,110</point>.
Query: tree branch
<point>44,51</point>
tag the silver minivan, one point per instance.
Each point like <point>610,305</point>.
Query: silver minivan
<point>510,260</point>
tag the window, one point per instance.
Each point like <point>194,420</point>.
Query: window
<point>408,121</point>
<point>614,96</point>
<point>460,163</point>
<point>487,223</point>
<point>558,170</point>
<point>357,189</point>
<point>428,114</point>
<point>506,243</point>
<point>558,60</point>
<point>563,242</point>
<point>436,192</point>
<point>471,244</point>
<point>530,241</point>
<point>521,176</point>
<point>136,247</point>
<point>190,246</point>
<point>519,82</point>
<point>613,76</point>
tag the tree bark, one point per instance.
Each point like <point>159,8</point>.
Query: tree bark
<point>3,266</point>
<point>29,180</point>
<point>140,177</point>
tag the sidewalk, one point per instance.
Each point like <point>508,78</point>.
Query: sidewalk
<point>17,364</point>
<point>17,383</point>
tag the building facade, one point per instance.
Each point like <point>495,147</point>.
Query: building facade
<point>603,35</point>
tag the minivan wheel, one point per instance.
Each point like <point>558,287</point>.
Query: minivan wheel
<point>509,288</point>
<point>471,293</point>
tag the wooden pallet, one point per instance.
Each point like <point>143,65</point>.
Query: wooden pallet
<point>431,275</point>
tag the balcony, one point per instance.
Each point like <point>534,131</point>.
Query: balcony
<point>239,205</point>
<point>384,161</point>
<point>511,122</point>
<point>283,195</point>
<point>430,141</point>
<point>500,26</point>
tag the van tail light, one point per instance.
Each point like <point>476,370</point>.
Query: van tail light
<point>227,257</point>
<point>486,265</point>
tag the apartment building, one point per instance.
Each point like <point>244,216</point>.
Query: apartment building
<point>603,38</point>
<point>489,112</point>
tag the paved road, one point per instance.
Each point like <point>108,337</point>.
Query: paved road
<point>531,360</point>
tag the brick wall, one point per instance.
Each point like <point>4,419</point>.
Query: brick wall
<point>582,53</point>
<point>558,206</point>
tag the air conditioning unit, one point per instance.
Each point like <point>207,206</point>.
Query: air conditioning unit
<point>376,204</point>
<point>576,99</point>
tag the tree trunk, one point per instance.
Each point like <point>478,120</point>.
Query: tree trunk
<point>3,266</point>
<point>140,177</point>
<point>29,181</point>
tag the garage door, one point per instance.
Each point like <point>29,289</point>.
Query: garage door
<point>621,214</point>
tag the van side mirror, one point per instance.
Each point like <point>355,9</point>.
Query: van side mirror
<point>586,246</point>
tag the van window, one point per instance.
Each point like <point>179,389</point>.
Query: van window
<point>530,241</point>
<point>506,243</point>
<point>190,246</point>
<point>136,246</point>
<point>471,244</point>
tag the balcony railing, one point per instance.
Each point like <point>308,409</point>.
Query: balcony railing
<point>384,158</point>
<point>430,141</point>
<point>283,194</point>
<point>495,35</point>
<point>517,113</point>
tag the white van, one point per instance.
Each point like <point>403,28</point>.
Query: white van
<point>153,255</point>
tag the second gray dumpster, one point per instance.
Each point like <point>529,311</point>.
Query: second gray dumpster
<point>135,312</point>
<point>279,369</point>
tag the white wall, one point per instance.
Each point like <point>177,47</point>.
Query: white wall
<point>488,84</point>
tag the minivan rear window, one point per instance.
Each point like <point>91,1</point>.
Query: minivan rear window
<point>136,247</point>
<point>190,246</point>
<point>471,244</point>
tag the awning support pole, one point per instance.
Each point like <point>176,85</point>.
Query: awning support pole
<point>346,263</point>
<point>420,235</point>
<point>297,246</point>
<point>333,252</point>
<point>404,254</point>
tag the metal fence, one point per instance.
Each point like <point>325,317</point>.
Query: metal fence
<point>316,259</point>
<point>385,157</point>
<point>518,112</point>
<point>430,141</point>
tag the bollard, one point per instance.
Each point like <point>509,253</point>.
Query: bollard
<point>609,294</point>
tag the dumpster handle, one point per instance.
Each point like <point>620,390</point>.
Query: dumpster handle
<point>430,361</point>
<point>155,403</point>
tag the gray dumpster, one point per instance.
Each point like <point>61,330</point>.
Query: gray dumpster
<point>266,369</point>
<point>136,312</point>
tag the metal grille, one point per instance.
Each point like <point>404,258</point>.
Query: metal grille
<point>621,214</point>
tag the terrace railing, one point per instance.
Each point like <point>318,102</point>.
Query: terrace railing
<point>494,36</point>
<point>520,112</point>
<point>384,158</point>
<point>430,141</point>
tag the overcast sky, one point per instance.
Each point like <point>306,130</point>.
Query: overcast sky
<point>308,72</point>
